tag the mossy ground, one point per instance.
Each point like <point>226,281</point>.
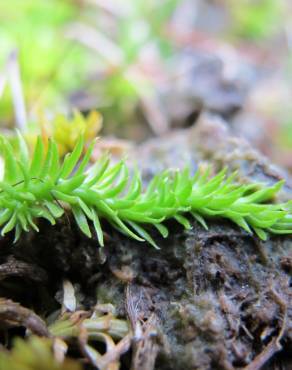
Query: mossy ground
<point>214,299</point>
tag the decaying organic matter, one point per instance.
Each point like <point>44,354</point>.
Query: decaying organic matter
<point>217,299</point>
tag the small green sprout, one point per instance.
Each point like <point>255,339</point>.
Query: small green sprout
<point>40,187</point>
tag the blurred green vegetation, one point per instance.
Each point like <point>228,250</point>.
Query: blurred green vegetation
<point>256,19</point>
<point>285,136</point>
<point>107,55</point>
<point>51,66</point>
<point>34,354</point>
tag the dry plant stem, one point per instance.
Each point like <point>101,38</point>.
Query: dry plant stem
<point>14,268</point>
<point>155,118</point>
<point>95,40</point>
<point>114,7</point>
<point>109,360</point>
<point>274,346</point>
<point>145,335</point>
<point>13,314</point>
<point>15,83</point>
<point>146,348</point>
<point>117,351</point>
<point>60,349</point>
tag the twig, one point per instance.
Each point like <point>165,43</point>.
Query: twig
<point>147,337</point>
<point>274,346</point>
<point>156,119</point>
<point>95,40</point>
<point>116,8</point>
<point>13,314</point>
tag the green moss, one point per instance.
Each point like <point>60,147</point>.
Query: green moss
<point>40,186</point>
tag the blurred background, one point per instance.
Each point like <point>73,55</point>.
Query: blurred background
<point>138,69</point>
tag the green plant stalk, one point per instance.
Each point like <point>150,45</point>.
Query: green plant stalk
<point>106,324</point>
<point>40,186</point>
